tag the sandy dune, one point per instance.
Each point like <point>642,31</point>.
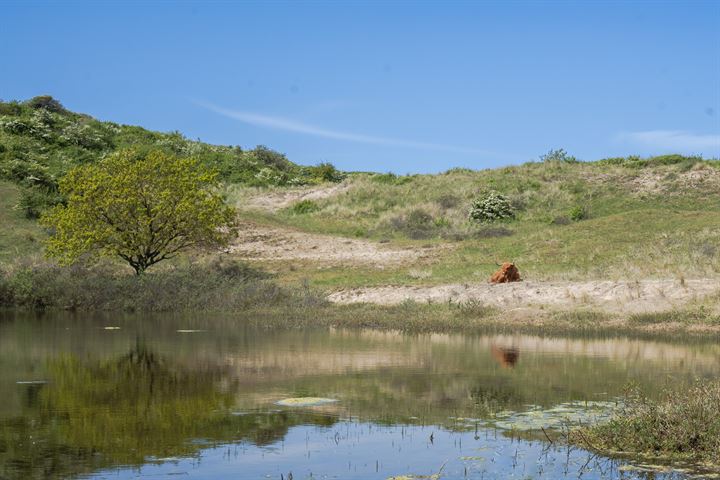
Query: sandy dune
<point>611,296</point>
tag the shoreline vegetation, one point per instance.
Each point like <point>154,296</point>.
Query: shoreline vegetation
<point>226,286</point>
<point>681,428</point>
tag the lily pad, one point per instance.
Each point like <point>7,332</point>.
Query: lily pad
<point>305,401</point>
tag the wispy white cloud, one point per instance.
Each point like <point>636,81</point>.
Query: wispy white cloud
<point>674,140</point>
<point>290,125</point>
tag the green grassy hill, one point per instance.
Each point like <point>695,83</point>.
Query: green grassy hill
<point>40,141</point>
<point>614,218</point>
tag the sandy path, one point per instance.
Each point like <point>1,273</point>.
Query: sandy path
<point>611,296</point>
<point>274,201</point>
<point>261,242</point>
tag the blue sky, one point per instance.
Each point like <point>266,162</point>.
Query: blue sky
<point>383,86</point>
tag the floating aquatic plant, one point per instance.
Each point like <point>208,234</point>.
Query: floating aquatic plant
<point>569,413</point>
<point>538,418</point>
<point>305,401</point>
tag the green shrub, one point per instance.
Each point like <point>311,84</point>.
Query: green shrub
<point>28,174</point>
<point>417,224</point>
<point>305,206</point>
<point>326,172</point>
<point>35,200</point>
<point>46,102</point>
<point>492,207</point>
<point>577,213</point>
<point>441,222</point>
<point>271,158</point>
<point>559,155</point>
<point>10,108</point>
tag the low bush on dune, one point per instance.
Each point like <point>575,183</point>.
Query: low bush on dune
<point>492,207</point>
<point>304,206</point>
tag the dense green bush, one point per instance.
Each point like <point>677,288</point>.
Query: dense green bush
<point>10,108</point>
<point>304,206</point>
<point>35,200</point>
<point>325,172</point>
<point>46,102</point>
<point>492,207</point>
<point>559,155</point>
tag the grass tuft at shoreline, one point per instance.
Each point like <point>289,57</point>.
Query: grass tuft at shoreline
<point>681,425</point>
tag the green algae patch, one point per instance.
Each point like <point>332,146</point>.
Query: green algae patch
<point>565,414</point>
<point>305,401</point>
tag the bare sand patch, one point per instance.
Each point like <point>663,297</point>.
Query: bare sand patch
<point>262,242</point>
<point>609,296</point>
<point>276,200</point>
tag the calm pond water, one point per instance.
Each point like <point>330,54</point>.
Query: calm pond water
<point>136,397</point>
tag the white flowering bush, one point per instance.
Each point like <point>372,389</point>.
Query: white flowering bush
<point>33,127</point>
<point>268,176</point>
<point>82,135</point>
<point>491,208</point>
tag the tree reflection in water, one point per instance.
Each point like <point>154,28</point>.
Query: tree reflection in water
<point>125,411</point>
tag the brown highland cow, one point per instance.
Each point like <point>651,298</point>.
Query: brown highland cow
<point>508,272</point>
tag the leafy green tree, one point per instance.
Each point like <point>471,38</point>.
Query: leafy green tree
<point>143,208</point>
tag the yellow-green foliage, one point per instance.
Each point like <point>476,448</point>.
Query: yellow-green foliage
<point>143,208</point>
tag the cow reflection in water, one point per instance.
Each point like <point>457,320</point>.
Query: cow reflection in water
<point>507,357</point>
